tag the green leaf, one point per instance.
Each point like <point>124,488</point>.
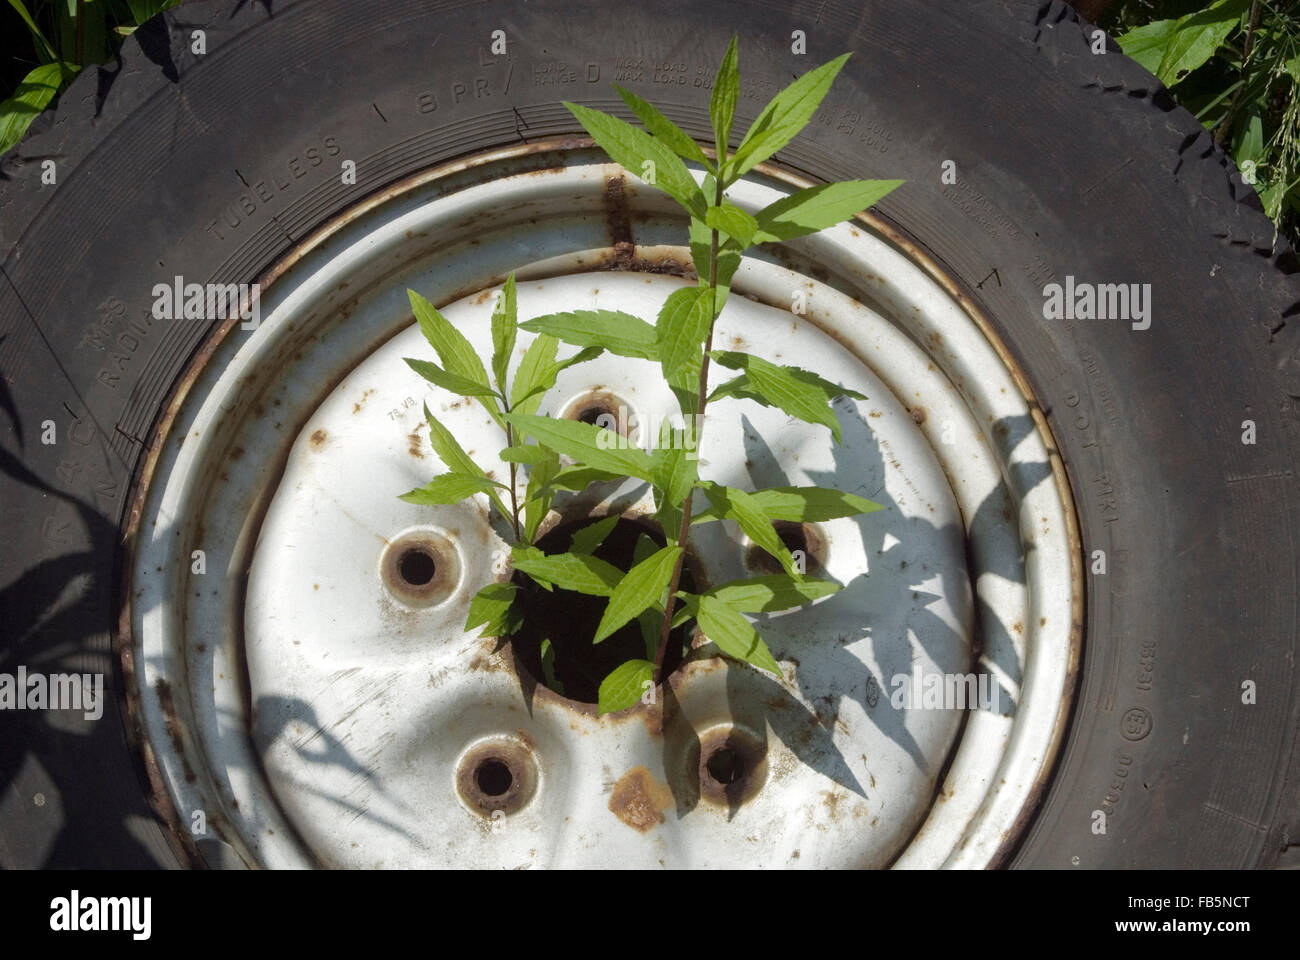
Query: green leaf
<point>504,329</point>
<point>644,547</point>
<point>650,622</point>
<point>537,362</point>
<point>43,45</point>
<point>547,378</point>
<point>816,208</point>
<point>732,221</point>
<point>1147,44</point>
<point>748,514</point>
<point>733,633</point>
<point>453,349</point>
<point>770,593</point>
<point>684,323</point>
<point>1196,38</point>
<point>530,454</point>
<point>805,397</point>
<point>675,469</point>
<point>663,128</point>
<point>624,686</point>
<point>619,333</point>
<point>728,258</point>
<point>783,117</point>
<point>569,571</point>
<point>454,456</point>
<point>449,488</point>
<point>580,478</point>
<point>1250,143</point>
<point>641,588</point>
<point>540,493</point>
<point>592,445</point>
<point>32,95</point>
<point>802,505</point>
<point>722,103</point>
<point>548,667</point>
<point>632,148</point>
<point>592,536</point>
<point>449,381</point>
<point>495,609</point>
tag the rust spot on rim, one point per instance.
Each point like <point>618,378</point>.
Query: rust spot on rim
<point>639,800</point>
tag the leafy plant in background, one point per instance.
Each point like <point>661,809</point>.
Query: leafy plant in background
<point>650,592</point>
<point>84,32</point>
<point>1235,64</point>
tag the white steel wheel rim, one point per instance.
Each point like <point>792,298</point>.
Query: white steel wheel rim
<point>363,707</point>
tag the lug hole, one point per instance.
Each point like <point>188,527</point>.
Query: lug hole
<point>725,766</point>
<point>732,765</point>
<point>417,567</point>
<point>420,567</point>
<point>600,408</point>
<point>497,774</point>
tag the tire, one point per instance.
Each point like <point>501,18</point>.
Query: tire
<point>1069,163</point>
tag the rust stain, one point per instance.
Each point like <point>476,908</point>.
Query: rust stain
<point>414,438</point>
<point>639,800</point>
<point>173,724</point>
<point>318,439</point>
<point>620,226</point>
<point>918,414</point>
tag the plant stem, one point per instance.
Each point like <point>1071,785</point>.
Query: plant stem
<point>702,401</point>
<point>514,467</point>
<point>1224,128</point>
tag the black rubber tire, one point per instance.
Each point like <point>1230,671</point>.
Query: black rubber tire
<point>1069,163</point>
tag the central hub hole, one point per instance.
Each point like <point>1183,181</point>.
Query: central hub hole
<point>725,766</point>
<point>493,777</point>
<point>575,666</point>
<point>417,567</point>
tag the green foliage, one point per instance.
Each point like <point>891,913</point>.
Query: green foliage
<point>563,455</point>
<point>65,37</point>
<point>32,96</point>
<point>625,685</point>
<point>642,587</point>
<point>1235,64</point>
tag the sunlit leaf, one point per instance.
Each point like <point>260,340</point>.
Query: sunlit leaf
<point>624,686</point>
<point>641,588</point>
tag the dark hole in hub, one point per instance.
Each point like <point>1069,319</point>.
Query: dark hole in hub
<point>416,567</point>
<point>725,766</point>
<point>569,619</point>
<point>593,414</point>
<point>493,777</point>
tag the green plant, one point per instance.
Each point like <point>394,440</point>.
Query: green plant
<point>650,590</point>
<point>1236,65</point>
<point>84,32</point>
